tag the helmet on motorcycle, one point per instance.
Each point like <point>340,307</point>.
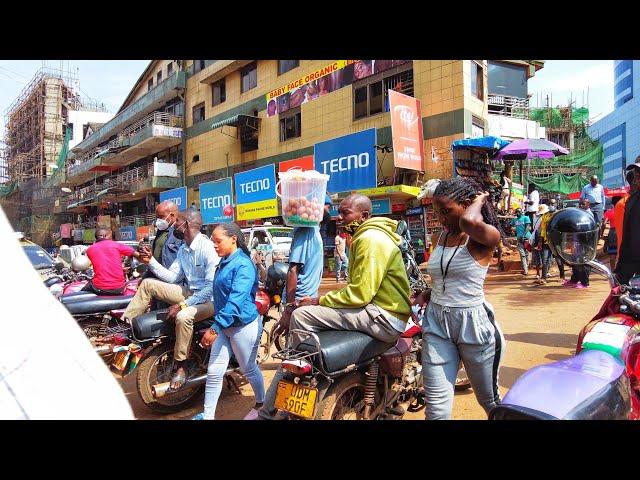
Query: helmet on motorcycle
<point>276,278</point>
<point>80,263</point>
<point>573,235</point>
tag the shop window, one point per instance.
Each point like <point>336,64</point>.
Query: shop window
<point>169,69</point>
<point>219,92</point>
<point>198,113</point>
<point>150,84</point>
<point>290,124</point>
<point>371,95</point>
<point>249,77</point>
<point>159,77</point>
<point>286,65</point>
<point>477,80</point>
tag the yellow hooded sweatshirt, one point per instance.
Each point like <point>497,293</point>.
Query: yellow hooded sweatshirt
<point>376,271</point>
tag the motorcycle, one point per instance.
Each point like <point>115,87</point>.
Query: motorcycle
<point>348,375</point>
<point>602,380</point>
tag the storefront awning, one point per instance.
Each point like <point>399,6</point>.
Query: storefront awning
<point>236,121</point>
<point>404,192</point>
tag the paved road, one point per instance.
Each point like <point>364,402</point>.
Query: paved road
<point>540,324</point>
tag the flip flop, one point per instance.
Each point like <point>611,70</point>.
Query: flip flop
<point>179,378</point>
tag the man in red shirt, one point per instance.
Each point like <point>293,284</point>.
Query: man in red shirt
<point>106,257</point>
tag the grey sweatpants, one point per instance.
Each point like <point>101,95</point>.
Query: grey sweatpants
<point>453,333</point>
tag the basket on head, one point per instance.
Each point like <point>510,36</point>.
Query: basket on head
<point>302,195</point>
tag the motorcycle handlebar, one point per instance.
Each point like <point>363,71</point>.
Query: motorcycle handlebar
<point>633,305</point>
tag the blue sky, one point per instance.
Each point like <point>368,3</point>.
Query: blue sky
<point>111,80</point>
<point>561,79</point>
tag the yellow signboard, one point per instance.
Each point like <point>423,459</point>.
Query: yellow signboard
<point>262,209</point>
<point>372,192</point>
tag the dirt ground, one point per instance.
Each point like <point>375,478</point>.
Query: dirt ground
<point>540,325</point>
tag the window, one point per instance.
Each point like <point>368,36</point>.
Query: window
<point>150,84</point>
<point>196,158</point>
<point>249,77</point>
<point>477,80</point>
<point>290,124</point>
<point>70,127</point>
<point>371,94</point>
<point>198,113</point>
<point>169,69</point>
<point>286,65</point>
<point>219,92</point>
<point>477,127</point>
<point>198,65</point>
<point>507,79</point>
<point>159,77</point>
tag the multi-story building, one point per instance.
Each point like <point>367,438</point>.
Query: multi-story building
<point>230,128</point>
<point>119,169</point>
<point>615,131</point>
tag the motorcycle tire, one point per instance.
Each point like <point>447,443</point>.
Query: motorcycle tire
<point>344,400</point>
<point>170,403</point>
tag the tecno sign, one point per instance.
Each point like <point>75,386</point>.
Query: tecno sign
<point>220,201</point>
<point>255,186</point>
<point>350,161</point>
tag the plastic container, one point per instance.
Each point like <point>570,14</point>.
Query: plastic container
<point>302,195</point>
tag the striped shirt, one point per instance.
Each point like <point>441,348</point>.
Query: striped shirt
<point>197,264</point>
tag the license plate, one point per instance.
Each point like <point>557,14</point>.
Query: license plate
<point>296,399</point>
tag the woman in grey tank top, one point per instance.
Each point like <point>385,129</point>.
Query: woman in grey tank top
<point>459,323</point>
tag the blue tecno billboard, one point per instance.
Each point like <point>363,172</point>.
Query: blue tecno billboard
<point>177,196</point>
<point>216,201</point>
<point>350,161</point>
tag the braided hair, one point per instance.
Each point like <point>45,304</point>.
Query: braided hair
<point>231,229</point>
<point>460,189</point>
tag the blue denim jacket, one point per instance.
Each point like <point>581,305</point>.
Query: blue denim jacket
<point>234,291</point>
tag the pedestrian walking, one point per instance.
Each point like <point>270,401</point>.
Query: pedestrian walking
<point>522,225</point>
<point>594,192</point>
<point>340,255</point>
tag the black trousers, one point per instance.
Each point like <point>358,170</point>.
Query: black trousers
<point>580,274</point>
<point>89,287</point>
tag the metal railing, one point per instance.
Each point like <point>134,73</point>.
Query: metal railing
<point>137,220</point>
<point>125,179</point>
<point>508,106</point>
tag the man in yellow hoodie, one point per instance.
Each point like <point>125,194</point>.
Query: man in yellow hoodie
<point>376,300</point>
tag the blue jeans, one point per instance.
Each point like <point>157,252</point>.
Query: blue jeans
<point>341,265</point>
<point>244,342</point>
<point>524,256</point>
<point>546,260</point>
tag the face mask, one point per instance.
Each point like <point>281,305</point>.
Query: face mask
<point>162,224</point>
<point>352,227</point>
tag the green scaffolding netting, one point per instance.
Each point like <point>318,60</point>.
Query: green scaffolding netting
<point>564,183</point>
<point>8,188</point>
<point>62,156</point>
<point>551,117</point>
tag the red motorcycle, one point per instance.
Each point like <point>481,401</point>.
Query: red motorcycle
<point>602,381</point>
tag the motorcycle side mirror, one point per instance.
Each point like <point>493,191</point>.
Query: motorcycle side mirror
<point>402,228</point>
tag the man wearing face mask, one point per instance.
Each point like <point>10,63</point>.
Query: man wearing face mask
<point>376,300</point>
<point>106,258</point>
<point>195,264</point>
<point>165,246</point>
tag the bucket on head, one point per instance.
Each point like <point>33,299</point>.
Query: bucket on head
<point>302,195</point>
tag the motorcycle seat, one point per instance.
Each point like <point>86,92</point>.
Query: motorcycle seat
<point>77,296</point>
<point>98,304</point>
<point>588,386</point>
<point>341,348</point>
<point>154,324</point>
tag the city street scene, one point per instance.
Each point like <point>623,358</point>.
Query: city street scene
<point>320,239</point>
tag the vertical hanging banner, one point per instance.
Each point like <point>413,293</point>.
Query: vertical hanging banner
<point>406,131</point>
<point>303,163</point>
<point>350,161</point>
<point>256,193</point>
<point>177,196</point>
<point>216,201</point>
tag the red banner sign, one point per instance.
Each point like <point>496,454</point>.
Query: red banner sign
<point>406,131</point>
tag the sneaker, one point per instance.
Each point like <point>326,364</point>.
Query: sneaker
<point>580,285</point>
<point>252,415</point>
<point>568,283</point>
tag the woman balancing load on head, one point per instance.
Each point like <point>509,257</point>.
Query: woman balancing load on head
<point>459,323</point>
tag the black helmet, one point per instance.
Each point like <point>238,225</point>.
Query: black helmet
<point>276,278</point>
<point>573,235</point>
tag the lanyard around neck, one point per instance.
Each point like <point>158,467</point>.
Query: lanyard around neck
<point>445,271</point>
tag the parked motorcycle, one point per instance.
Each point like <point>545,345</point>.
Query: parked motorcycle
<point>602,381</point>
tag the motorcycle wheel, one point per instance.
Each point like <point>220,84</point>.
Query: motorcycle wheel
<point>264,349</point>
<point>280,341</point>
<point>344,400</point>
<point>462,381</point>
<point>155,368</point>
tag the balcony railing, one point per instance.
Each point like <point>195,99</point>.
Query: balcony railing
<point>508,106</point>
<point>137,220</point>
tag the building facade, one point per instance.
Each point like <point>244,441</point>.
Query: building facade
<point>615,131</point>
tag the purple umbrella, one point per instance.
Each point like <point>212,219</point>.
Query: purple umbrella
<point>529,148</point>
